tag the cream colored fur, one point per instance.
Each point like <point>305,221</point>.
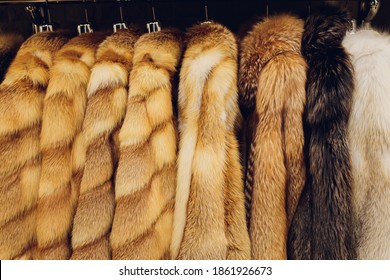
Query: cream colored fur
<point>369,137</point>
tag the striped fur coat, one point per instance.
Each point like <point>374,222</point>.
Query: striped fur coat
<point>63,151</point>
<point>146,174</point>
<point>106,107</point>
<point>21,98</point>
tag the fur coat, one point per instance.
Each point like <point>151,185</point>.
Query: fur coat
<point>322,226</point>
<point>63,153</point>
<point>369,137</point>
<point>21,97</point>
<point>9,45</point>
<point>146,174</point>
<point>209,220</point>
<point>106,105</point>
<point>272,84</point>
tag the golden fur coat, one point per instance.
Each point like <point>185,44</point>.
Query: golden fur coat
<point>146,174</point>
<point>21,97</point>
<point>63,153</point>
<point>106,107</point>
<point>209,220</point>
<point>369,139</point>
<point>272,84</point>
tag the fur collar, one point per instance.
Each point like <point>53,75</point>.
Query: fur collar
<point>268,38</point>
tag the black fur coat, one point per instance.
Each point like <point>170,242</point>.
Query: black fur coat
<point>322,225</point>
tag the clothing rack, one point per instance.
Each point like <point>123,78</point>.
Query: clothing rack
<point>362,11</point>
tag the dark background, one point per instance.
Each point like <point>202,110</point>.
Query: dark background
<point>179,13</point>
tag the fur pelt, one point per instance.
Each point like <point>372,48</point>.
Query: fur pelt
<point>63,153</point>
<point>209,220</point>
<point>322,225</point>
<point>9,45</point>
<point>272,82</point>
<point>369,138</point>
<point>106,107</point>
<point>146,174</point>
<point>21,97</point>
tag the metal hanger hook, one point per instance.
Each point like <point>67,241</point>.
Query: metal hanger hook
<point>368,10</point>
<point>85,11</point>
<point>120,10</point>
<point>153,12</point>
<point>206,11</point>
<point>48,12</point>
<point>267,8</point>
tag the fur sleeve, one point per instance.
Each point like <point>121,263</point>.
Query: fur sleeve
<point>276,171</point>
<point>21,97</point>
<point>209,221</point>
<point>326,212</point>
<point>369,137</point>
<point>146,174</point>
<point>106,105</point>
<point>63,115</point>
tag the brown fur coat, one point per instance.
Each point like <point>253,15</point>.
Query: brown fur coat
<point>146,174</point>
<point>21,97</point>
<point>106,107</point>
<point>272,84</point>
<point>209,221</point>
<point>63,154</point>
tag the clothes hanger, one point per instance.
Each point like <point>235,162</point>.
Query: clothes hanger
<point>153,26</point>
<point>267,8</point>
<point>368,10</point>
<point>352,22</point>
<point>206,13</point>
<point>85,27</point>
<point>122,24</point>
<point>41,21</point>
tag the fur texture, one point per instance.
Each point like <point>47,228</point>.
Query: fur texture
<point>63,151</point>
<point>106,107</point>
<point>272,82</point>
<point>369,138</point>
<point>322,225</point>
<point>209,220</point>
<point>21,97</point>
<point>146,174</point>
<point>9,45</point>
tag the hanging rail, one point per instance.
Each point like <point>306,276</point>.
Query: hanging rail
<point>155,1</point>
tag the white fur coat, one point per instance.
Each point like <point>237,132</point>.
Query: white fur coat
<point>369,136</point>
